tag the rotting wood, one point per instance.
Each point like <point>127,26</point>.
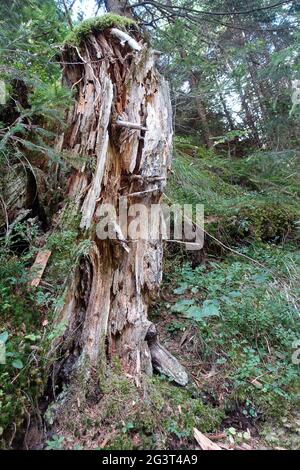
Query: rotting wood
<point>38,267</point>
<point>14,193</point>
<point>163,361</point>
<point>204,442</point>
<point>107,299</point>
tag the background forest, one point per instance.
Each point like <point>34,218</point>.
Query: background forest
<point>230,312</point>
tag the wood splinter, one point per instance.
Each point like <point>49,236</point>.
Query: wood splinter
<point>130,125</point>
<point>140,193</point>
<point>119,236</point>
<point>204,442</point>
<point>149,179</point>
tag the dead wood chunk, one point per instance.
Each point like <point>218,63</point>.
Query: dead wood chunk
<point>38,267</point>
<point>125,38</point>
<point>166,364</point>
<point>256,383</point>
<point>204,442</point>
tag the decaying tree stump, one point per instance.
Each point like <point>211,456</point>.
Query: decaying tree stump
<point>121,126</point>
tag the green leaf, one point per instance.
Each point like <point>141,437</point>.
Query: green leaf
<point>181,289</point>
<point>195,313</point>
<point>210,308</point>
<point>32,337</point>
<point>17,364</point>
<point>127,427</point>
<point>234,294</point>
<point>182,305</point>
<point>4,337</point>
<point>260,278</point>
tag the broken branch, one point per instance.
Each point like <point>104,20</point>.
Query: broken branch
<point>125,38</point>
<point>130,125</point>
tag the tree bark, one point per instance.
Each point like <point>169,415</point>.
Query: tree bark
<point>119,7</point>
<point>194,83</point>
<point>106,302</point>
<point>201,111</point>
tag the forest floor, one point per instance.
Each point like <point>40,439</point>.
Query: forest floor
<point>231,319</point>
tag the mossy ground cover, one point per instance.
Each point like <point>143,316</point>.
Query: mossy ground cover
<point>245,199</point>
<point>158,414</point>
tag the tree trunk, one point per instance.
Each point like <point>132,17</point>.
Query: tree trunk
<point>194,82</point>
<point>121,127</point>
<point>119,7</point>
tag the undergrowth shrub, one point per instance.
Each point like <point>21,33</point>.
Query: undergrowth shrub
<point>242,201</point>
<point>247,320</point>
<point>20,335</point>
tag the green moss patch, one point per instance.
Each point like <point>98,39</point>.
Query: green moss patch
<point>94,25</point>
<point>156,415</point>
